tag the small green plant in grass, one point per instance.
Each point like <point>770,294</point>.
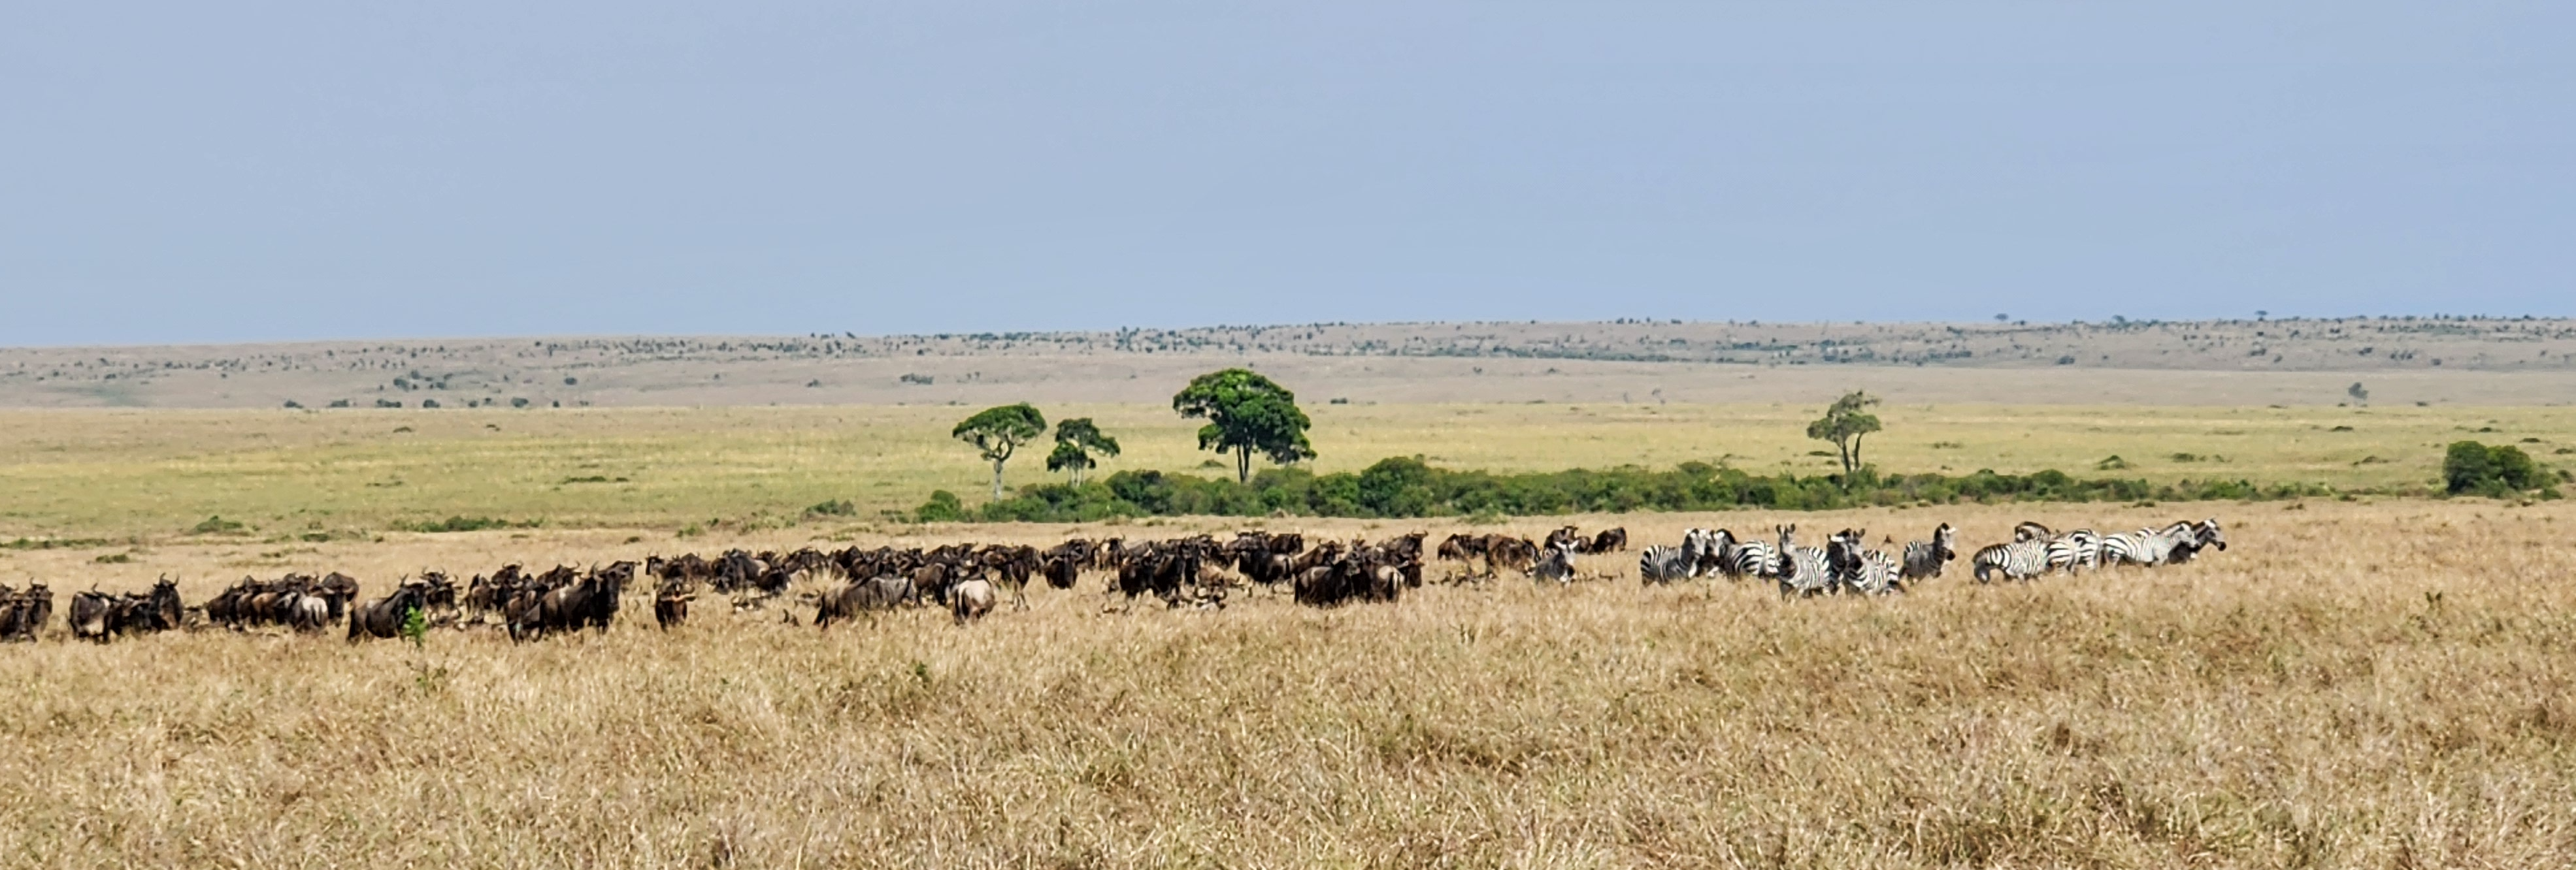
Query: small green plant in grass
<point>216,525</point>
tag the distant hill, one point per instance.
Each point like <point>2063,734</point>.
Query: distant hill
<point>2485,361</point>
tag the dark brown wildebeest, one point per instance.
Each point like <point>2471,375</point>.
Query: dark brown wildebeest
<point>384,617</point>
<point>1610,541</point>
<point>1012,566</point>
<point>339,590</point>
<point>671,604</point>
<point>1062,564</point>
<point>884,592</point>
<point>1565,537</point>
<point>157,611</point>
<point>22,613</point>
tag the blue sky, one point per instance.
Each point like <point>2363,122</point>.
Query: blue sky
<point>260,171</point>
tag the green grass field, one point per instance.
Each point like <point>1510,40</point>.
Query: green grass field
<point>154,474</point>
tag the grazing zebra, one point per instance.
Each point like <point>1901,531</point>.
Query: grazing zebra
<point>2075,551</point>
<point>1804,571</point>
<point>1662,564</point>
<point>1924,558</point>
<point>1867,572</point>
<point>2019,560</point>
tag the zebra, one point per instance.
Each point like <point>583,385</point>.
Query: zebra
<point>2147,547</point>
<point>1867,572</point>
<point>2075,550</point>
<point>1924,558</point>
<point>1557,565</point>
<point>1662,564</point>
<point>2019,560</point>
<point>1758,558</point>
<point>2204,534</point>
<point>2030,531</point>
<point>1712,552</point>
<point>1804,571</point>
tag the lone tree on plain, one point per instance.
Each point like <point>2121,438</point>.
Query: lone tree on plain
<point>1075,441</point>
<point>2360,395</point>
<point>1246,413</point>
<point>998,431</point>
<point>1844,424</point>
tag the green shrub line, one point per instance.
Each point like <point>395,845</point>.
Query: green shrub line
<point>463,524</point>
<point>1408,488</point>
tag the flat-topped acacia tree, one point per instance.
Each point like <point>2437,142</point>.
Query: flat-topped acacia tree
<point>999,431</point>
<point>1246,414</point>
<point>1075,441</point>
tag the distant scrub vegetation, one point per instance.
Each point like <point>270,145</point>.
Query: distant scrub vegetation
<point>1408,487</point>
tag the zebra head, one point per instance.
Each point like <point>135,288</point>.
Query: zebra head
<point>2210,534</point>
<point>1944,542</point>
<point>2031,531</point>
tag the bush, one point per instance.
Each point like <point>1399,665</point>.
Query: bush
<point>943,507</point>
<point>1407,488</point>
<point>2471,468</point>
<point>836,508</point>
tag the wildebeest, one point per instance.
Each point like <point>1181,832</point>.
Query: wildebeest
<point>89,614</point>
<point>1610,541</point>
<point>858,596</point>
<point>384,617</point>
<point>671,605</point>
<point>971,600</point>
<point>309,612</point>
<point>23,613</point>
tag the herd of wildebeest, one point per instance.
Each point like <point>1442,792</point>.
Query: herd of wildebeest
<point>968,580</point>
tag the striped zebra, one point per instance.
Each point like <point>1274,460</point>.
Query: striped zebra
<point>1557,565</point>
<point>2074,551</point>
<point>1760,559</point>
<point>2019,560</point>
<point>1858,570</point>
<point>1924,558</point>
<point>1713,553</point>
<point>2204,534</point>
<point>1804,571</point>
<point>2030,531</point>
<point>1662,564</point>
<point>2144,547</point>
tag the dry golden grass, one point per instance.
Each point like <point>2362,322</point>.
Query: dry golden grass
<point>2383,685</point>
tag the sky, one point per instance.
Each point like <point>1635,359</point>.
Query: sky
<point>258,171</point>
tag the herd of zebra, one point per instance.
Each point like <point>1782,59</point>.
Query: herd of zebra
<point>1846,565</point>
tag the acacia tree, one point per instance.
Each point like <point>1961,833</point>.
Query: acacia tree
<point>1844,424</point>
<point>1246,413</point>
<point>1075,441</point>
<point>1000,430</point>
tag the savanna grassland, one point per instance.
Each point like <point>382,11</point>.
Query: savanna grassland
<point>129,476</point>
<point>2379,682</point>
<point>2380,685</point>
